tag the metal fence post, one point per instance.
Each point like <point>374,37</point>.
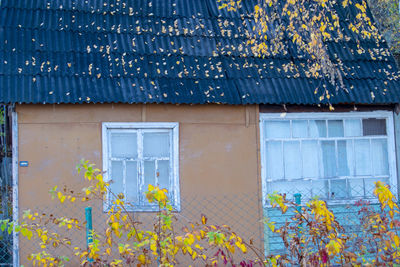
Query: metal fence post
<point>89,228</point>
<point>297,200</point>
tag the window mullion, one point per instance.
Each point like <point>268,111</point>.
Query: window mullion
<point>337,158</point>
<point>354,158</point>
<point>291,128</point>
<point>364,192</point>
<point>124,179</point>
<point>327,128</point>
<point>283,159</point>
<point>156,173</point>
<point>301,159</point>
<point>141,167</point>
<point>320,160</point>
<point>329,189</point>
<point>370,158</point>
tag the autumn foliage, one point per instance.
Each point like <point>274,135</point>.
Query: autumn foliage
<point>312,236</point>
<point>309,27</point>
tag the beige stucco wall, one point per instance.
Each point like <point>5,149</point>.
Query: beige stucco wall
<point>219,160</point>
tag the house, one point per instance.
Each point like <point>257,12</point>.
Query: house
<point>155,92</point>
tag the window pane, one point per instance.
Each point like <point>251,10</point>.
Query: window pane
<point>338,189</point>
<point>156,144</point>
<point>274,158</point>
<point>317,128</point>
<point>291,187</point>
<point>370,185</point>
<point>356,187</point>
<point>124,145</point>
<point>132,182</point>
<point>329,158</point>
<point>380,157</point>
<point>374,127</point>
<point>116,176</point>
<point>310,159</point>
<point>345,158</point>
<point>163,174</point>
<point>362,155</point>
<point>320,189</point>
<point>352,128</point>
<point>277,129</point>
<point>335,128</point>
<point>279,187</point>
<point>149,174</point>
<point>299,129</point>
<point>292,159</point>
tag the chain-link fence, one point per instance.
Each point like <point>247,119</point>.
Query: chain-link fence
<point>348,211</point>
<point>6,239</point>
<point>6,245</point>
<point>242,213</point>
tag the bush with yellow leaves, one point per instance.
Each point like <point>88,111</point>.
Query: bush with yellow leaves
<point>312,236</point>
<point>125,241</point>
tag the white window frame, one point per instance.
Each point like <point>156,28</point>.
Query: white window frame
<point>174,170</point>
<point>388,115</point>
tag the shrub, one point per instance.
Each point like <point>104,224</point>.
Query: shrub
<point>125,241</point>
<point>312,236</point>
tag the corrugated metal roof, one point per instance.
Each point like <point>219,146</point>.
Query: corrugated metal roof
<point>165,51</point>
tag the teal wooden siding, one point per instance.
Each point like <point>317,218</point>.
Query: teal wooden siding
<point>347,215</point>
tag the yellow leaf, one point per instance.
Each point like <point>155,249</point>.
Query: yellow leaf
<point>151,187</point>
<point>115,225</point>
<point>230,248</point>
<point>396,240</point>
<point>142,259</point>
<point>203,219</point>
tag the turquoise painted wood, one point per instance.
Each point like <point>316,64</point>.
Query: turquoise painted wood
<point>347,215</point>
<point>89,228</point>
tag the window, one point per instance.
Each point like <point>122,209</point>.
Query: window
<point>138,154</point>
<point>335,156</point>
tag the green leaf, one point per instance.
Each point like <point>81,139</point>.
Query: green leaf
<point>3,226</point>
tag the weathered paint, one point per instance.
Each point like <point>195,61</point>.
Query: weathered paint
<point>218,145</point>
<point>346,214</point>
<point>396,119</point>
<point>15,197</point>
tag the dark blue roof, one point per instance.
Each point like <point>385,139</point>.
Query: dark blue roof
<point>165,51</point>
